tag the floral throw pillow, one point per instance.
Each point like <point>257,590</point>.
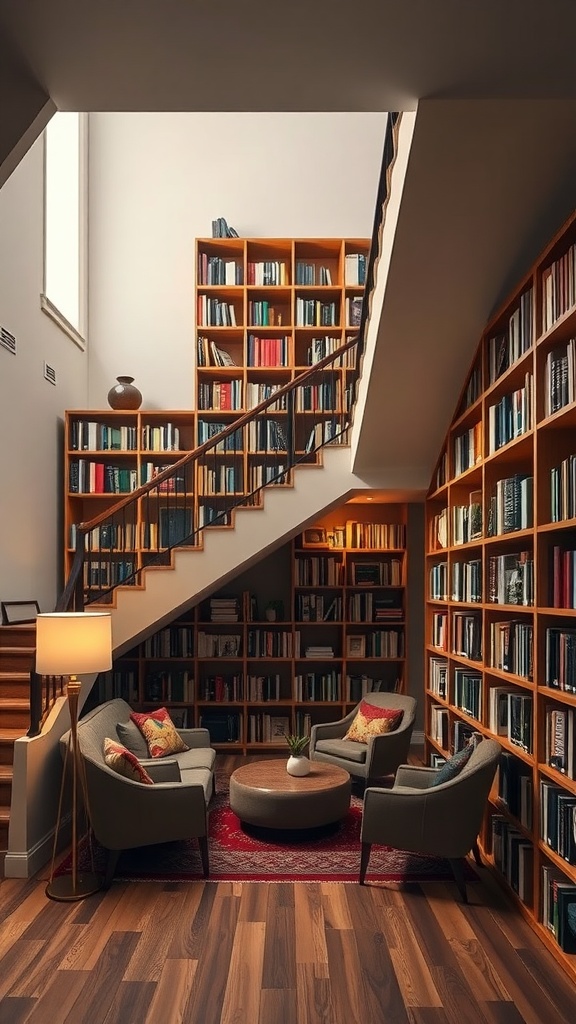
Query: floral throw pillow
<point>123,761</point>
<point>371,720</point>
<point>160,733</point>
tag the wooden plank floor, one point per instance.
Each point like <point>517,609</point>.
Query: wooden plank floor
<point>250,953</point>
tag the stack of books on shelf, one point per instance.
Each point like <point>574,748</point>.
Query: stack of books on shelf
<point>354,268</point>
<point>558,820</point>
<point>319,651</point>
<point>224,609</point>
<point>560,658</point>
<point>513,856</point>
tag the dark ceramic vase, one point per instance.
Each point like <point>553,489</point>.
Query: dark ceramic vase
<point>124,395</point>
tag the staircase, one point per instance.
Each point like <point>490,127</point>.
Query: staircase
<point>17,645</point>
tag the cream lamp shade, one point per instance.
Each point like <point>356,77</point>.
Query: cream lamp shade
<point>73,643</point>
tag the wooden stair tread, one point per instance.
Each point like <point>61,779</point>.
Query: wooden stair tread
<point>17,677</point>
<point>6,772</point>
<point>21,703</point>
<point>4,815</point>
<point>9,735</point>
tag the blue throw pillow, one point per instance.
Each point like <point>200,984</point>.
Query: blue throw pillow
<point>454,766</point>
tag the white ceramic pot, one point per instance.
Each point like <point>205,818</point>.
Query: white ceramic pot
<point>298,765</point>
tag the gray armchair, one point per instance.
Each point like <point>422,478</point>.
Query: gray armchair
<point>375,759</point>
<point>441,821</point>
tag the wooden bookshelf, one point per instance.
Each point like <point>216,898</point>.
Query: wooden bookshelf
<point>501,584</point>
<point>107,455</point>
<point>266,310</point>
<point>261,677</point>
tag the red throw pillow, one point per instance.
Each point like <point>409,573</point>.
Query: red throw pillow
<point>160,733</point>
<point>371,720</point>
<point>123,761</point>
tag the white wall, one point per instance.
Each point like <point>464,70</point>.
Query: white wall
<point>31,409</point>
<point>158,180</point>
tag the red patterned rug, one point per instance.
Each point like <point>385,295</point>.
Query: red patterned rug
<point>236,854</point>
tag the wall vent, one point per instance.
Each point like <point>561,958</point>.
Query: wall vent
<point>50,374</point>
<point>7,340</point>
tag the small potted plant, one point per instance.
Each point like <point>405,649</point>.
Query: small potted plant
<point>298,764</point>
<point>274,611</point>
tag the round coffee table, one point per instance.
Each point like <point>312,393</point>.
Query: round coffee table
<point>262,793</point>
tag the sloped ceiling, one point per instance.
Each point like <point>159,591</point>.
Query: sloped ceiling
<point>491,172</point>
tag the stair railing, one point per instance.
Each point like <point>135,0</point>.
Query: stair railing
<point>205,486</point>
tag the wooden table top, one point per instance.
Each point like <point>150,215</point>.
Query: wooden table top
<point>272,777</point>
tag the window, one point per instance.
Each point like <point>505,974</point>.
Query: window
<point>65,223</point>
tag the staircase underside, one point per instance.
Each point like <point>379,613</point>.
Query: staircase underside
<point>227,551</point>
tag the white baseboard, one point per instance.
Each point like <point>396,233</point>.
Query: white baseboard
<point>26,863</point>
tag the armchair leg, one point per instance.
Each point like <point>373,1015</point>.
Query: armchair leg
<point>457,866</point>
<point>203,844</point>
<point>476,852</point>
<point>111,862</point>
<point>364,858</point>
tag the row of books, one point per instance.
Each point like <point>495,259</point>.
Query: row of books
<point>559,908</point>
<point>558,820</point>
<point>511,578</point>
<point>563,490</point>
<point>510,714</point>
<point>261,313</point>
<point>466,521</point>
<point>559,748</point>
<point>514,857</point>
<point>318,608</point>
<point>558,287</point>
<point>315,313</point>
<point>511,647</point>
<point>386,572</point>
<point>312,273</point>
<point>560,377</point>
<point>563,588</point>
<point>215,270</point>
<point>272,643</point>
<point>560,658</point>
<point>324,396</point>
<point>318,686</point>
<point>511,505</point>
<point>89,477</point>
<point>320,348</point>
<point>505,348</point>
<point>90,435</point>
<point>166,686</point>
<point>468,692</point>
<point>468,449</point>
<point>224,394</point>
<point>467,581</point>
<point>175,641</point>
<point>515,788</point>
<point>512,416</point>
<point>212,312</point>
<point>211,354</point>
<point>268,351</point>
<point>268,273</point>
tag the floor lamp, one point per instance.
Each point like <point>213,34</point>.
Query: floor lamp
<point>72,644</point>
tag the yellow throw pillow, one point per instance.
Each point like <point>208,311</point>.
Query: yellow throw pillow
<point>123,761</point>
<point>371,720</point>
<point>160,733</point>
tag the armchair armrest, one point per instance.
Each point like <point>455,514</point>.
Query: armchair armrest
<point>417,778</point>
<point>330,730</point>
<point>195,738</point>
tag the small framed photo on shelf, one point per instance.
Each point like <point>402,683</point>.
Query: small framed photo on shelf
<point>19,612</point>
<point>355,646</point>
<point>315,537</point>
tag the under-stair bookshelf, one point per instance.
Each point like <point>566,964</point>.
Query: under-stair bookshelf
<point>295,640</point>
<point>501,589</point>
